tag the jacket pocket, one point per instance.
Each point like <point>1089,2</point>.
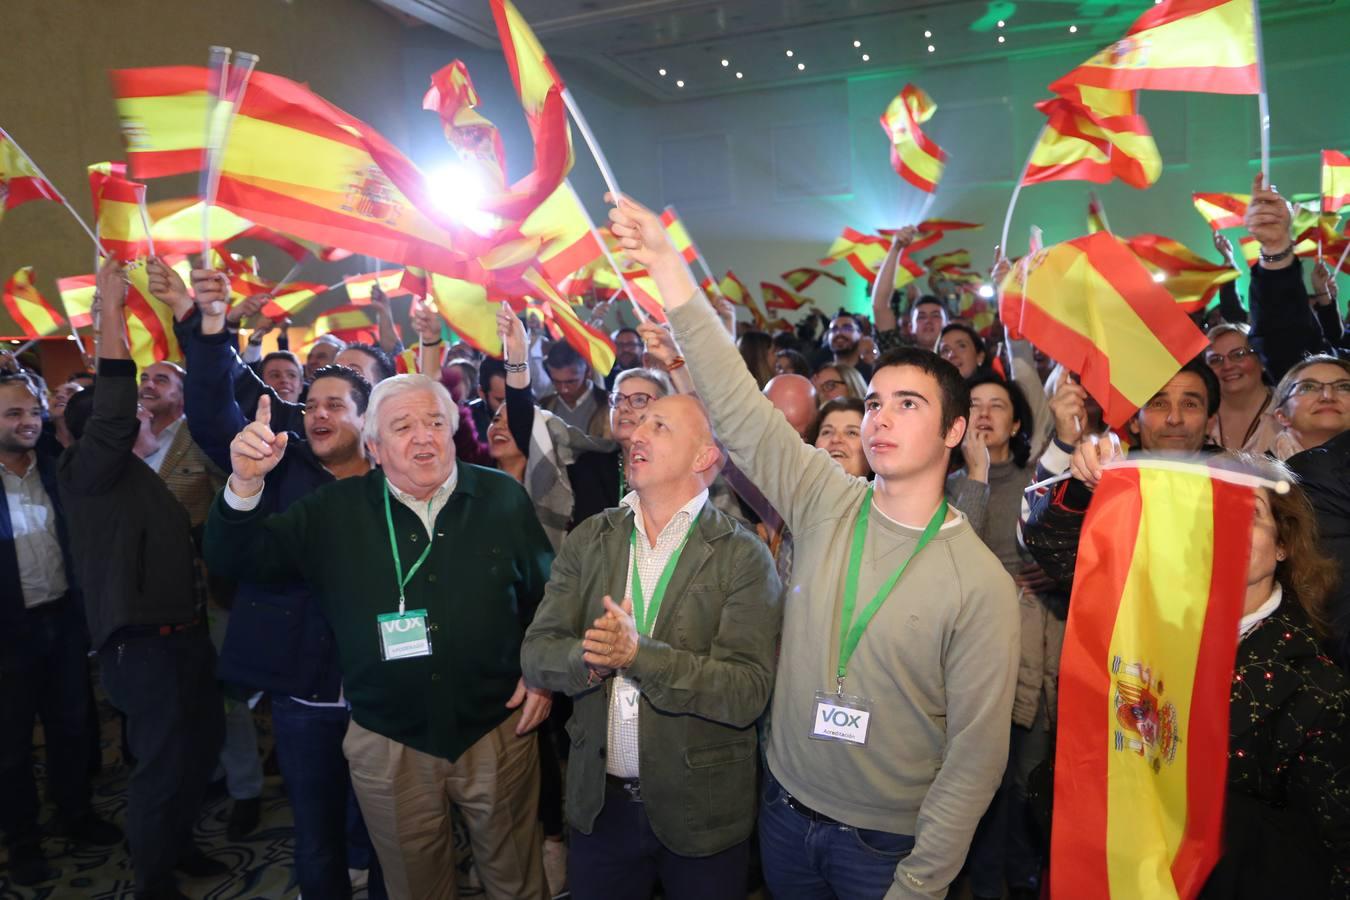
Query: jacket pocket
<point>720,783</point>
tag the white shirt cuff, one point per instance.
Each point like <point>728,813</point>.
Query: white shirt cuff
<point>241,504</point>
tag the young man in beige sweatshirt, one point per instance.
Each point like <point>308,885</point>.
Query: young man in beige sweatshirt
<point>886,745</point>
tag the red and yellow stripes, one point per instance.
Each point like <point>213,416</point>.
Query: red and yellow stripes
<point>1222,210</point>
<point>1335,181</point>
<point>915,157</point>
<point>1191,279</point>
<point>28,308</point>
<point>1144,683</point>
<point>1207,46</point>
<point>1092,305</point>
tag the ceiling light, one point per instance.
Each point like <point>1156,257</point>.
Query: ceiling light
<point>1000,38</point>
<point>1073,29</point>
<point>661,72</point>
<point>789,53</point>
<point>931,48</point>
<point>866,57</point>
<point>928,34</point>
<point>679,84</point>
<point>726,63</point>
<point>857,44</point>
<point>740,75</point>
<point>801,67</point>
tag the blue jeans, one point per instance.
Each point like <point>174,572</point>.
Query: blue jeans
<point>808,860</point>
<point>309,752</point>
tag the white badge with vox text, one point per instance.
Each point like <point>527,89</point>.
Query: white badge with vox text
<point>840,717</point>
<point>626,695</point>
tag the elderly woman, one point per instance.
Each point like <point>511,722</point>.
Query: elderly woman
<point>1313,404</point>
<point>1246,419</point>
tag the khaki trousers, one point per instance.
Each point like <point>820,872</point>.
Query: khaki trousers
<point>406,796</point>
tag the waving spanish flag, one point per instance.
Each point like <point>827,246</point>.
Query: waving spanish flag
<point>914,156</point>
<point>1191,279</point>
<point>20,180</point>
<point>1179,45</point>
<point>1222,210</point>
<point>1141,765</point>
<point>1096,137</point>
<point>28,308</point>
<point>1335,181</point>
<point>1092,305</point>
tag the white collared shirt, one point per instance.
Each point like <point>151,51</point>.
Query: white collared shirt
<point>621,759</point>
<point>165,438</point>
<point>32,518</point>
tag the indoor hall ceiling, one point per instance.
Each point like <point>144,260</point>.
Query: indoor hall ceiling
<point>780,43</point>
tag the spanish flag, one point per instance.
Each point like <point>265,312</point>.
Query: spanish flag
<point>1335,181</point>
<point>28,308</point>
<point>914,156</point>
<point>1222,210</point>
<point>20,180</point>
<point>1093,306</point>
<point>1207,46</point>
<point>294,163</point>
<point>801,279</point>
<point>778,297</point>
<point>1096,137</point>
<point>1191,279</point>
<point>1141,765</point>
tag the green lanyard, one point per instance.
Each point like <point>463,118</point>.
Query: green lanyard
<point>850,631</point>
<point>393,545</point>
<point>642,615</point>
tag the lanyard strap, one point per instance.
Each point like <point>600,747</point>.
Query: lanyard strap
<point>851,631</point>
<point>642,616</point>
<point>393,546</point>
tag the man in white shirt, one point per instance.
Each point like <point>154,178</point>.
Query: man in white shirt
<point>661,620</point>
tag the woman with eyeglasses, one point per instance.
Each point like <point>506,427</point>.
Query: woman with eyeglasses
<point>1246,419</point>
<point>1313,404</point>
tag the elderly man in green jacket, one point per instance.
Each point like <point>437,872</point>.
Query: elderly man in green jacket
<point>428,571</point>
<point>661,620</point>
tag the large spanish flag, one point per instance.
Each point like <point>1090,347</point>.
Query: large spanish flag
<point>1335,181</point>
<point>1093,306</point>
<point>915,157</point>
<point>1222,210</point>
<point>1191,279</point>
<point>28,308</point>
<point>1147,666</point>
<point>294,163</point>
<point>1097,136</point>
<point>20,180</point>
<point>1179,45</point>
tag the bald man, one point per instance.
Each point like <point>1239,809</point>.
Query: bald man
<point>795,397</point>
<point>664,638</point>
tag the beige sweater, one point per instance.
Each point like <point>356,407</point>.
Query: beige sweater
<point>938,662</point>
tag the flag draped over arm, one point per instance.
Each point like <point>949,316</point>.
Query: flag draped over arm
<point>914,156</point>
<point>1141,765</point>
<point>1092,305</point>
<point>28,308</point>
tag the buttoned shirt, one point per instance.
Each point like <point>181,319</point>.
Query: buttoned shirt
<point>621,759</point>
<point>32,517</point>
<point>165,438</point>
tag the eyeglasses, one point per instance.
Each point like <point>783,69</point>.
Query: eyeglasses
<point>1215,360</point>
<point>1310,386</point>
<point>634,401</point>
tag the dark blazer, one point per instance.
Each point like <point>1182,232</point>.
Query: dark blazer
<point>130,537</point>
<point>705,675</point>
<point>11,601</point>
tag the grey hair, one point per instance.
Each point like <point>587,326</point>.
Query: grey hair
<point>655,376</point>
<point>403,384</point>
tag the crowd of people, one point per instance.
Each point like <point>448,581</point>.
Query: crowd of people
<point>745,609</point>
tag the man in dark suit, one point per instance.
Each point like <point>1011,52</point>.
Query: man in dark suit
<point>667,688</point>
<point>132,544</point>
<point>43,670</point>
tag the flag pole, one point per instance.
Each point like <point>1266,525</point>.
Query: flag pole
<point>1262,99</point>
<point>60,197</point>
<point>1017,189</point>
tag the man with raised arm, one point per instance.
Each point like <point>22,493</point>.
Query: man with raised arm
<point>900,638</point>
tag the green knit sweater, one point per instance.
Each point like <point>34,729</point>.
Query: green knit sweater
<point>480,586</point>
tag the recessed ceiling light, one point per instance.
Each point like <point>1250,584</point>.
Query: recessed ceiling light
<point>679,84</point>
<point>931,48</point>
<point>725,63</point>
<point>1001,23</point>
<point>662,72</point>
<point>866,57</point>
<point>789,53</point>
<point>740,75</point>
<point>801,67</point>
<point>1000,38</point>
<point>857,44</point>
<point>928,34</point>
<point>1073,29</point>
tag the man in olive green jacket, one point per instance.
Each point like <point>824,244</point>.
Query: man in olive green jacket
<point>668,682</point>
